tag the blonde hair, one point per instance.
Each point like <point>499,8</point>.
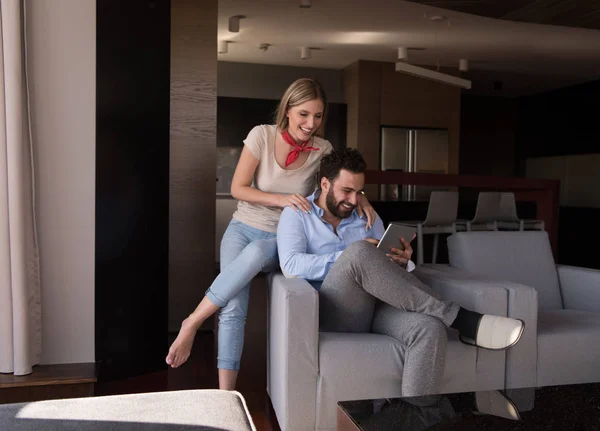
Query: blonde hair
<point>301,91</point>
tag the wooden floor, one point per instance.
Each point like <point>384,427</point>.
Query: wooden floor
<point>200,371</point>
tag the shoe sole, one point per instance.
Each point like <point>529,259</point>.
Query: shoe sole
<point>470,342</point>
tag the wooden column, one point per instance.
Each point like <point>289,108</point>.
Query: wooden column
<point>362,94</point>
<point>192,154</point>
<point>350,84</point>
<point>411,101</point>
<point>377,95</point>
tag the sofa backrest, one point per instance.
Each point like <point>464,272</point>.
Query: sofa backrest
<point>520,257</point>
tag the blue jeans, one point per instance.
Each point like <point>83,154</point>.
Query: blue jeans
<point>245,251</point>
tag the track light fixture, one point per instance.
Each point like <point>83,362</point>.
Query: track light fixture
<point>433,75</point>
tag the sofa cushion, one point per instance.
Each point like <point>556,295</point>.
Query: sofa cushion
<point>520,257</point>
<point>568,347</point>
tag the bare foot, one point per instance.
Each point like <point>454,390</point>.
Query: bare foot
<point>179,352</point>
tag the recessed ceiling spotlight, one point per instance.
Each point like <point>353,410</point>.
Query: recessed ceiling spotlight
<point>438,18</point>
<point>263,46</point>
<point>234,23</point>
<point>305,3</point>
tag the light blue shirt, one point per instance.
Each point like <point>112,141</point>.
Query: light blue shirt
<point>308,246</point>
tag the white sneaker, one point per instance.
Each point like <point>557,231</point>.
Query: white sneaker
<point>495,404</point>
<point>497,332</point>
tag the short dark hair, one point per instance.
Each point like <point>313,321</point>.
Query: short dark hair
<point>346,158</point>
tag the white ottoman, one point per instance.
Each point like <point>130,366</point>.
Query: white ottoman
<point>170,411</point>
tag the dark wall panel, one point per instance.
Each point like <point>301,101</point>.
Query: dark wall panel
<point>560,122</point>
<point>238,115</point>
<point>132,185</point>
<point>487,136</point>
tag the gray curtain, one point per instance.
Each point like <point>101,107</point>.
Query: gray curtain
<point>20,305</point>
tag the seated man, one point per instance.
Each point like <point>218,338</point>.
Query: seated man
<point>330,247</point>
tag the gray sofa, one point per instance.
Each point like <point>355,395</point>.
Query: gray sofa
<point>559,304</point>
<point>309,371</point>
<point>175,410</point>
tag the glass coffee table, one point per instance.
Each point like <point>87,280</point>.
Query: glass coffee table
<point>569,407</point>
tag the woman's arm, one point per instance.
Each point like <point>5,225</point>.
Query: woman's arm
<point>241,187</point>
<point>364,207</point>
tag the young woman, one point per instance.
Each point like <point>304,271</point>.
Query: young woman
<point>277,168</point>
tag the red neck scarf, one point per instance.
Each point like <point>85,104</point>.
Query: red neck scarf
<point>295,153</point>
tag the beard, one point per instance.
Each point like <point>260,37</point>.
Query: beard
<point>336,207</point>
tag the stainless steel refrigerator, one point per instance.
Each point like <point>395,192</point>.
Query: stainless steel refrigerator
<point>412,150</point>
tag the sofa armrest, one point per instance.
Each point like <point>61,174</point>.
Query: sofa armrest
<point>292,356</point>
<point>522,300</point>
<point>579,287</point>
<point>521,303</point>
<point>470,293</point>
<point>477,296</point>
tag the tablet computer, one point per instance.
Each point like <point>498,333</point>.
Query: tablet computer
<point>391,236</point>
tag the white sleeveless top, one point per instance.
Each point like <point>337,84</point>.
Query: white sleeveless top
<point>272,178</point>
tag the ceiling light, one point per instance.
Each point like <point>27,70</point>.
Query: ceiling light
<point>463,65</point>
<point>305,3</point>
<point>222,47</point>
<point>263,46</point>
<point>305,52</point>
<point>432,74</point>
<point>402,53</point>
<point>438,18</point>
<point>234,23</point>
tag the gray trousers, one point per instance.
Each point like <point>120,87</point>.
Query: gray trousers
<point>365,291</point>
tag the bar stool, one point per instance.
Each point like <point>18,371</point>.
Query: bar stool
<point>487,212</point>
<point>509,218</point>
<point>441,218</point>
<point>498,210</point>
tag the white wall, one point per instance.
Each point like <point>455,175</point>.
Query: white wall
<point>265,81</point>
<point>61,40</point>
